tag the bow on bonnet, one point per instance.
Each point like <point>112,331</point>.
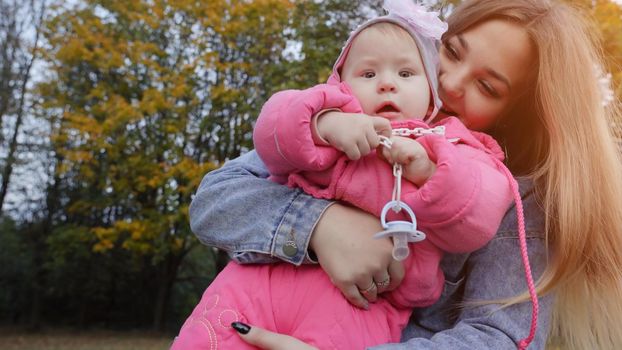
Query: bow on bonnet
<point>424,22</point>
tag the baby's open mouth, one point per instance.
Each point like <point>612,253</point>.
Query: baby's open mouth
<point>387,107</point>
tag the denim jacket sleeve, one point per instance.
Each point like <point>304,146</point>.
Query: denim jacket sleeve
<point>272,222</point>
<point>491,273</point>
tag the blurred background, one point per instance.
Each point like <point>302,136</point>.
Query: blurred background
<point>111,112</point>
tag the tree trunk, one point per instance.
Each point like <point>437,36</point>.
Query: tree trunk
<point>25,74</point>
<point>34,319</point>
<point>8,51</point>
<point>168,274</point>
<point>10,162</point>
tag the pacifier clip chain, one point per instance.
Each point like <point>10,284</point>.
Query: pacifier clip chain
<point>416,132</point>
<point>397,187</point>
<point>397,174</point>
<point>401,232</point>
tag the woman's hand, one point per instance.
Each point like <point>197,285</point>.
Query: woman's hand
<point>359,265</point>
<point>267,340</point>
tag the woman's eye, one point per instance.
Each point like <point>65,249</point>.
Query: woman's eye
<point>369,75</point>
<point>406,74</point>
<point>451,52</point>
<point>488,89</point>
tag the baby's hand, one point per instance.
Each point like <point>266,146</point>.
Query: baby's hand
<point>416,165</point>
<point>354,134</point>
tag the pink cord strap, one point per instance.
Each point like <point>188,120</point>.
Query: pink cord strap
<point>520,216</point>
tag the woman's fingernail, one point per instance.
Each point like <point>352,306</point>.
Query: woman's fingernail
<point>242,328</point>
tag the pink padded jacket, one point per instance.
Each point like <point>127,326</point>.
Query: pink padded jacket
<point>459,208</point>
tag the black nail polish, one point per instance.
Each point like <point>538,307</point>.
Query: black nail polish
<point>242,328</point>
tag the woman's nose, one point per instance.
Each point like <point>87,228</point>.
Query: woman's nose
<point>453,84</point>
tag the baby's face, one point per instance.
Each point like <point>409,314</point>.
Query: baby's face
<point>386,75</point>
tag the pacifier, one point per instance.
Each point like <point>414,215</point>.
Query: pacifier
<point>402,232</point>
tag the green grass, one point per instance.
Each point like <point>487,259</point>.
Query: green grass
<point>86,340</point>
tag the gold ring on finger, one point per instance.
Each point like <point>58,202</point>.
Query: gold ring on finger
<point>384,283</point>
<point>368,289</point>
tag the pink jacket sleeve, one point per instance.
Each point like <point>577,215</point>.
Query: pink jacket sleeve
<point>282,134</point>
<point>464,202</point>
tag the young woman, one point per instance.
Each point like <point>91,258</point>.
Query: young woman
<point>556,135</point>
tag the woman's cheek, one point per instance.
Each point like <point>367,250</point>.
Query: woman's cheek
<point>479,113</point>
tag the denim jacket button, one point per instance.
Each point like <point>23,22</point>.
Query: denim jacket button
<point>290,248</point>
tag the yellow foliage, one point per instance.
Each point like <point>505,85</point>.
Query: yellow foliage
<point>179,90</point>
<point>132,100</point>
<point>73,52</point>
<point>102,246</point>
<point>154,182</point>
<point>83,123</point>
<point>79,156</point>
<point>105,239</point>
<point>118,113</point>
<point>171,128</point>
<point>153,101</point>
<point>137,230</point>
<point>134,235</point>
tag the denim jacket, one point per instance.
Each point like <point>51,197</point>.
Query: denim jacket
<point>254,220</point>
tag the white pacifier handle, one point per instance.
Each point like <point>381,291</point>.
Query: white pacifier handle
<point>400,231</point>
<point>393,205</point>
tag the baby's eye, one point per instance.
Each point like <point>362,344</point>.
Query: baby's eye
<point>369,75</point>
<point>406,74</point>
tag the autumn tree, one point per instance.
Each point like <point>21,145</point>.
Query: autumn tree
<point>146,97</point>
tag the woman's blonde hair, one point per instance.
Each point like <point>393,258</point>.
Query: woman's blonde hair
<point>560,133</point>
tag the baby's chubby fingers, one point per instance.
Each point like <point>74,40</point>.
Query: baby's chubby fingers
<point>382,126</point>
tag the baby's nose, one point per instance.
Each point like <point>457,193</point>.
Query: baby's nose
<point>387,85</point>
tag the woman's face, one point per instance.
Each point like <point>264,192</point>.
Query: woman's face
<point>483,70</point>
